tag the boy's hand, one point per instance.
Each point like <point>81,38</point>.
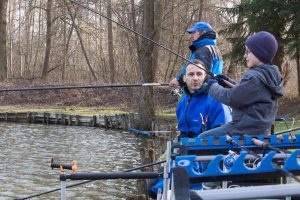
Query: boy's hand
<point>210,82</point>
<point>220,78</point>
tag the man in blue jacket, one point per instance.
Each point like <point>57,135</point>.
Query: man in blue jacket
<point>197,111</point>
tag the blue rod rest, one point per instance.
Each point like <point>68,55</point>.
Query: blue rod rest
<point>284,119</point>
<point>292,161</point>
<point>283,141</point>
<point>238,167</point>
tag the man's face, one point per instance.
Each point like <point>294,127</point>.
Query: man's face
<point>195,35</point>
<point>194,77</point>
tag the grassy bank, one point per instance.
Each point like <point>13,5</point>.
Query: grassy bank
<point>82,111</point>
<point>168,114</point>
<point>163,115</point>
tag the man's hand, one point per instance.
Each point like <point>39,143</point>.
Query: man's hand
<point>174,83</point>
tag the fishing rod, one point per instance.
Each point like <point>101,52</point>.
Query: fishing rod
<point>83,87</point>
<point>88,181</point>
<point>143,36</point>
<point>263,145</point>
<point>139,34</point>
<point>287,131</point>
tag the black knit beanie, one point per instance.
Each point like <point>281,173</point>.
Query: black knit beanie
<point>263,45</point>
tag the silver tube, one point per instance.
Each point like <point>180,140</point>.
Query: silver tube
<point>62,190</point>
<point>253,192</point>
<point>167,172</point>
<point>247,157</point>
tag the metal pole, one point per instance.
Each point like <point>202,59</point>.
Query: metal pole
<point>84,182</point>
<point>254,192</point>
<point>167,172</point>
<point>63,189</point>
<point>72,87</point>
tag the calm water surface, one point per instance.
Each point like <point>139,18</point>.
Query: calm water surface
<point>26,151</point>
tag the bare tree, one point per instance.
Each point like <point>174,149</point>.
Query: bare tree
<point>112,71</point>
<point>146,105</point>
<point>81,43</point>
<point>3,55</point>
<point>48,41</point>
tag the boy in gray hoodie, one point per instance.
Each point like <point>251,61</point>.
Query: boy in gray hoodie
<point>254,101</point>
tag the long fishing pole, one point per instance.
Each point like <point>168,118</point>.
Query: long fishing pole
<point>287,131</point>
<point>84,182</point>
<point>143,36</point>
<point>84,87</point>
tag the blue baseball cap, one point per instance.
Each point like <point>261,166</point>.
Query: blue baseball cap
<point>200,26</point>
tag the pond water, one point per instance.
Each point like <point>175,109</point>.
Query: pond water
<point>26,151</point>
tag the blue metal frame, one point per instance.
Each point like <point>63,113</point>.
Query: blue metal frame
<point>210,143</point>
<point>238,166</point>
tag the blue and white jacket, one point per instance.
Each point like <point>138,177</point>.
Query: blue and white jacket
<point>204,49</point>
<point>198,112</point>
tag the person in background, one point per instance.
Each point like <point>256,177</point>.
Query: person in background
<point>254,101</point>
<point>203,48</point>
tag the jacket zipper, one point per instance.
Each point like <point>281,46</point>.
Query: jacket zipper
<point>185,113</point>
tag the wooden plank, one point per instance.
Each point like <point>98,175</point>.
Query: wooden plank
<point>121,121</point>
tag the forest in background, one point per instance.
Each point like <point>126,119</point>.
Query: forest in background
<point>59,42</point>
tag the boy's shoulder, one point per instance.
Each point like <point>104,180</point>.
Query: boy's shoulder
<point>251,74</point>
<point>261,70</point>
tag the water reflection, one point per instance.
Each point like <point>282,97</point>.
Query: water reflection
<point>26,150</point>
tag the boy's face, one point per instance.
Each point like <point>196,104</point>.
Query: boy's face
<point>194,77</point>
<point>251,59</point>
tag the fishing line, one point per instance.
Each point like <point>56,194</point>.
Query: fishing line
<point>287,131</point>
<point>84,182</point>
<point>143,36</point>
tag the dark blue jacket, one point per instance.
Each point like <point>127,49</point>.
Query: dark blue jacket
<point>204,49</point>
<point>254,101</point>
<point>188,112</point>
<point>199,112</point>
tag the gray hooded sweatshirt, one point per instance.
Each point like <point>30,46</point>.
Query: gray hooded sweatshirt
<point>254,101</point>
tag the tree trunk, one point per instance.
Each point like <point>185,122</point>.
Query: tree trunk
<point>298,65</point>
<point>200,11</point>
<point>3,55</point>
<point>81,42</point>
<point>136,38</point>
<point>11,24</point>
<point>232,68</point>
<point>48,41</point>
<point>146,105</point>
<point>279,58</point>
<point>35,61</point>
<point>112,71</point>
<point>158,7</point>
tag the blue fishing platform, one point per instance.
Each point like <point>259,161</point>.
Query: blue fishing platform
<point>234,160</point>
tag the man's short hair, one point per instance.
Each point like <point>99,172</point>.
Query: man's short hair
<point>197,62</point>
